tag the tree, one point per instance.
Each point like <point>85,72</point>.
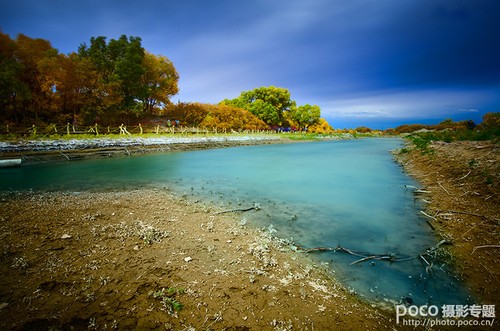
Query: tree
<point>103,81</point>
<point>12,89</point>
<point>229,117</point>
<point>267,103</point>
<point>304,116</point>
<point>128,57</point>
<point>31,55</point>
<point>120,64</point>
<point>322,126</point>
<point>159,80</point>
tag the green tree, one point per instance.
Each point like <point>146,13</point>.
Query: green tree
<point>120,64</point>
<point>128,56</point>
<point>304,116</point>
<point>267,103</point>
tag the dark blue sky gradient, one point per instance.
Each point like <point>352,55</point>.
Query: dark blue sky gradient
<point>364,62</point>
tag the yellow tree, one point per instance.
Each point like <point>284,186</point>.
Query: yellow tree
<point>160,81</point>
<point>322,126</point>
<point>31,54</point>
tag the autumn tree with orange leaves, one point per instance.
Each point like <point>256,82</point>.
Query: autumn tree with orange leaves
<point>102,81</point>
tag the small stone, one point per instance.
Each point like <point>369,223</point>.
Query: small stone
<point>188,259</point>
<point>136,248</point>
<point>65,236</point>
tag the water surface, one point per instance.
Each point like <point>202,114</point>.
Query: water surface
<point>348,193</point>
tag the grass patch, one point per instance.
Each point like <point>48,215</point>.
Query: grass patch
<point>168,300</point>
<point>422,140</point>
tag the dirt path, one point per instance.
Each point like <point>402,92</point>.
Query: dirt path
<point>150,260</point>
<point>463,182</point>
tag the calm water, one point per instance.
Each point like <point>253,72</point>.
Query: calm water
<point>347,193</point>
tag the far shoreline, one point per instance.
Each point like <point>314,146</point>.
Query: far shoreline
<point>60,150</point>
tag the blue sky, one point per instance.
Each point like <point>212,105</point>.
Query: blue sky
<point>378,63</point>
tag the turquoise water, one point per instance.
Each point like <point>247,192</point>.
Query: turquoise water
<point>347,193</point>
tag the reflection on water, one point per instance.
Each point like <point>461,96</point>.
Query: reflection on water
<point>347,193</point>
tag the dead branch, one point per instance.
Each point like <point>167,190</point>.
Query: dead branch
<point>420,191</point>
<point>255,207</point>
<point>386,257</point>
<point>484,246</point>
<point>430,225</point>
<point>472,227</point>
<point>317,249</point>
<point>439,244</point>
<point>423,212</point>
<point>364,259</point>
<point>462,212</point>
<point>423,259</point>
<point>64,155</point>
<point>465,175</point>
<point>444,189</point>
<point>417,190</point>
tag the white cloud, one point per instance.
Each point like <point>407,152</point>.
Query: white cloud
<point>436,103</point>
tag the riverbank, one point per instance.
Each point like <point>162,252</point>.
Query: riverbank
<point>151,260</point>
<point>460,183</point>
<point>53,150</point>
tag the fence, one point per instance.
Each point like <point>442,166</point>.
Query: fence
<point>68,129</point>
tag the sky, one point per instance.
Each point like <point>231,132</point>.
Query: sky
<point>376,63</point>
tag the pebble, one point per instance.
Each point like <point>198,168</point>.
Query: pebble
<point>188,259</point>
<point>65,236</point>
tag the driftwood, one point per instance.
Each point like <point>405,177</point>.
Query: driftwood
<point>417,190</point>
<point>465,213</point>
<point>10,163</point>
<point>423,212</point>
<point>380,257</point>
<point>444,189</point>
<point>67,157</point>
<point>484,246</point>
<point>255,207</point>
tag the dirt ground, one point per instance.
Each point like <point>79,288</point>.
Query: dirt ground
<point>148,259</point>
<point>151,260</point>
<point>461,183</point>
